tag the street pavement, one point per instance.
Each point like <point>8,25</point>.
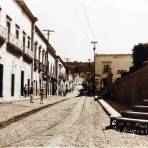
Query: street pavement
<point>76,122</point>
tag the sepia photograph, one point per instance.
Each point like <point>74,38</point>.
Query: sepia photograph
<point>73,73</point>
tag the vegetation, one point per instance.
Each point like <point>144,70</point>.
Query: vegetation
<point>140,54</point>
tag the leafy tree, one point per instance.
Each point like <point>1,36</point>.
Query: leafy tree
<point>140,54</point>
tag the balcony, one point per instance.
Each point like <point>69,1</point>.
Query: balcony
<point>40,66</point>
<point>14,45</point>
<point>28,55</point>
<point>36,64</point>
<point>53,76</point>
<point>3,35</point>
<point>44,68</point>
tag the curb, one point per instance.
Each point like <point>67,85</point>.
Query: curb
<point>109,109</point>
<point>26,114</point>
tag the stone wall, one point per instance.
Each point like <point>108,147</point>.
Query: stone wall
<point>132,89</point>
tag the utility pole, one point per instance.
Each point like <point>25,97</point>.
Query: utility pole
<point>94,48</point>
<point>67,60</point>
<point>46,57</point>
<point>48,33</point>
<point>89,74</point>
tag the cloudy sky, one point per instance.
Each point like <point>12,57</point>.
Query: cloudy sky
<point>116,24</point>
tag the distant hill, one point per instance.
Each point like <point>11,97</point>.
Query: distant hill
<point>80,68</point>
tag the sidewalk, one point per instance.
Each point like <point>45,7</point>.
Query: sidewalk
<point>13,111</point>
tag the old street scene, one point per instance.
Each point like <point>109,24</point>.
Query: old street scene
<point>73,73</point>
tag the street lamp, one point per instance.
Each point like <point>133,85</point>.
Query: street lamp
<point>94,48</point>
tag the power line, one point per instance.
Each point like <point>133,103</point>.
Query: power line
<point>88,21</point>
<point>80,23</point>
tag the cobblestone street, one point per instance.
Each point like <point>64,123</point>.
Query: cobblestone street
<point>79,121</point>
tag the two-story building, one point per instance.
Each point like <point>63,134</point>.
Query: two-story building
<point>108,68</point>
<point>26,56</point>
<point>44,75</point>
<point>61,76</point>
<point>16,33</point>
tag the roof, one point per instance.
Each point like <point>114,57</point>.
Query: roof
<point>113,54</point>
<point>27,11</point>
<point>49,47</point>
<point>61,61</point>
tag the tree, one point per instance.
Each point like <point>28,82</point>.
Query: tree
<point>140,54</point>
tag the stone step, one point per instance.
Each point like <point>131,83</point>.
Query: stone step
<point>145,102</point>
<point>135,115</point>
<point>129,124</point>
<point>129,119</point>
<point>140,108</point>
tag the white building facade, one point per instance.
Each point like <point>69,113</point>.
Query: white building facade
<point>16,51</point>
<point>26,57</point>
<point>108,67</point>
<point>44,65</point>
<point>61,77</point>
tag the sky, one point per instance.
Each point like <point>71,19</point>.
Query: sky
<point>117,25</point>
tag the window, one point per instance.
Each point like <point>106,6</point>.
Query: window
<point>17,31</point>
<point>53,70</point>
<point>35,49</point>
<point>9,27</point>
<point>40,47</point>
<point>121,71</point>
<point>29,42</point>
<point>106,69</point>
<point>24,39</point>
<point>43,56</point>
<point>8,23</point>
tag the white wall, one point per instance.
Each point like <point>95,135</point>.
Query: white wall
<point>17,15</point>
<point>40,43</point>
<point>52,63</point>
<point>13,64</point>
<point>117,62</point>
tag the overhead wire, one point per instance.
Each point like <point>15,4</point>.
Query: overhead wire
<point>88,21</point>
<point>81,25</point>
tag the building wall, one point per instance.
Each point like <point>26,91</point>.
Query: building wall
<point>37,76</point>
<point>133,88</point>
<point>13,64</point>
<point>52,64</point>
<point>115,61</point>
<point>17,15</point>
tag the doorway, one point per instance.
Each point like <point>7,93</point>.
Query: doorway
<point>28,87</point>
<point>22,83</point>
<point>1,80</point>
<point>12,84</point>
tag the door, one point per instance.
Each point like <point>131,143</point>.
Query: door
<point>1,80</point>
<point>28,87</point>
<point>22,83</point>
<point>36,87</point>
<point>12,84</point>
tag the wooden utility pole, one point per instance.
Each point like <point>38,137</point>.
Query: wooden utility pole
<point>46,57</point>
<point>94,48</point>
<point>48,33</point>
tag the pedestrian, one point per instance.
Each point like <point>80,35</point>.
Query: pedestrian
<point>25,90</point>
<point>31,94</point>
<point>41,95</point>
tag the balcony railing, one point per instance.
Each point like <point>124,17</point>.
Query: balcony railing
<point>53,76</point>
<point>16,45</point>
<point>40,67</point>
<point>29,53</point>
<point>36,64</point>
<point>3,32</point>
<point>3,35</point>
